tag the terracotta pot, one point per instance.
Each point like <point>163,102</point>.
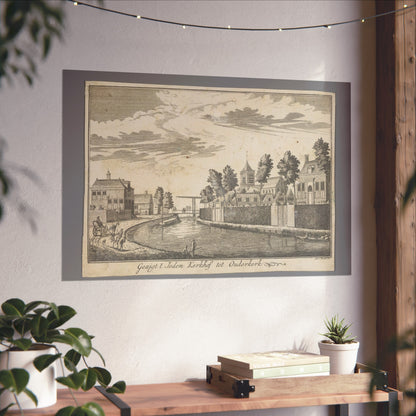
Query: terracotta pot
<point>42,384</point>
<point>342,357</point>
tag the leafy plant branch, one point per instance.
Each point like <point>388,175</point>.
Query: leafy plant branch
<point>26,326</point>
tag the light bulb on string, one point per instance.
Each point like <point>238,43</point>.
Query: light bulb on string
<point>405,8</point>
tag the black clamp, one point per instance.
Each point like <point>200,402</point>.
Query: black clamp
<point>242,389</point>
<point>209,375</point>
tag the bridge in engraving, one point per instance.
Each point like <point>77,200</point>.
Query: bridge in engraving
<point>193,206</point>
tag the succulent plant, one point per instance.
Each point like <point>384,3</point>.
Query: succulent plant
<point>337,331</point>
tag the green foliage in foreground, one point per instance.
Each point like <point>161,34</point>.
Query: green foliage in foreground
<point>25,326</point>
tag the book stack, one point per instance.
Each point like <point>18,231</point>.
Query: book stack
<point>275,364</point>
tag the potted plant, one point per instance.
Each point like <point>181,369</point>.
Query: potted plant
<point>341,347</point>
<point>34,331</point>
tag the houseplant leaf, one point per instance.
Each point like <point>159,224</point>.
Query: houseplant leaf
<point>39,327</point>
<point>31,396</point>
<point>77,338</point>
<point>103,376</point>
<point>14,380</point>
<point>88,409</point>
<point>6,332</point>
<point>13,307</point>
<point>71,359</point>
<point>4,411</point>
<point>45,360</point>
<point>22,343</point>
<point>119,387</point>
<point>90,379</point>
<point>59,315</point>
<point>73,381</point>
<point>33,305</point>
<point>22,325</point>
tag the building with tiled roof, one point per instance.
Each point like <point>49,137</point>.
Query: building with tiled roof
<point>113,196</point>
<point>311,187</point>
<point>143,204</point>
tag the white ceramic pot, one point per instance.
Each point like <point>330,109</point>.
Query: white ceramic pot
<point>42,384</point>
<point>342,357</point>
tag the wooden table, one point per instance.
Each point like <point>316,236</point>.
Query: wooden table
<point>199,397</point>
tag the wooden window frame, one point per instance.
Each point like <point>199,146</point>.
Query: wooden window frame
<point>395,163</point>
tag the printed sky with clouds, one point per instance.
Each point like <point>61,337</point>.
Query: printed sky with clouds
<point>171,136</point>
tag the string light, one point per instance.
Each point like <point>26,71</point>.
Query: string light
<point>247,29</point>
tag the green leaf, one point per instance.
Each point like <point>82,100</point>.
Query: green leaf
<point>98,353</point>
<point>22,325</point>
<point>22,343</point>
<point>93,409</point>
<point>4,54</point>
<point>5,181</point>
<point>6,332</point>
<point>73,381</point>
<point>90,379</point>
<point>28,78</point>
<point>44,361</point>
<point>31,396</point>
<point>103,376</point>
<point>14,380</point>
<point>39,327</point>
<point>119,387</point>
<point>54,309</point>
<point>46,45</point>
<point>15,28</point>
<point>65,411</point>
<point>78,339</point>
<point>59,315</point>
<point>13,307</point>
<point>33,305</point>
<point>71,360</point>
<point>34,30</point>
<point>88,409</point>
<point>4,411</point>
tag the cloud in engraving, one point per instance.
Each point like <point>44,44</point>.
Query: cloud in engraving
<point>145,146</point>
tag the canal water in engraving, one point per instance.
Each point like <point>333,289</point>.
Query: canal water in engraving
<point>215,242</point>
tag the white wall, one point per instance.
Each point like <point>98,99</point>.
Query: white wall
<point>160,330</point>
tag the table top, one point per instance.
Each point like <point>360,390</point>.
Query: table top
<point>197,396</point>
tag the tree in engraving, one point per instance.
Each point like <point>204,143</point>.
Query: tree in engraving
<point>229,179</point>
<point>264,168</point>
<point>215,180</point>
<point>207,194</point>
<point>288,168</point>
<point>323,159</point>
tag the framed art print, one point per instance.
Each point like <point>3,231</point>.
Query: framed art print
<point>178,176</point>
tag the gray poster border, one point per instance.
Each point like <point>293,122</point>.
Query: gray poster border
<point>73,105</point>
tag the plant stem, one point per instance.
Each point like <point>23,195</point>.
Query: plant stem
<point>18,403</point>
<point>63,373</point>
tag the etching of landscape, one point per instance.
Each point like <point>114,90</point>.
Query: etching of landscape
<point>207,180</point>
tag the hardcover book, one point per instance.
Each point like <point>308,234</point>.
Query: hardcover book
<point>282,371</point>
<point>272,359</point>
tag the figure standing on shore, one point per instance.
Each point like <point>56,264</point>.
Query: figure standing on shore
<point>193,247</point>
